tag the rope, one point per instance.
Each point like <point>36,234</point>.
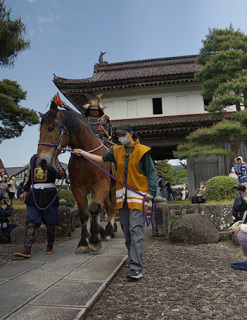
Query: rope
<point>35,202</point>
<point>154,207</point>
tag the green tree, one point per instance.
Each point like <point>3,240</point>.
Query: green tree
<point>13,118</point>
<point>181,176</point>
<point>224,81</point>
<point>224,72</point>
<point>11,36</point>
<point>166,170</point>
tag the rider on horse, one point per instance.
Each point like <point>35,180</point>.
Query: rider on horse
<point>100,123</point>
<point>94,113</point>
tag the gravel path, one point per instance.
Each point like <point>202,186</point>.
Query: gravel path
<point>180,282</point>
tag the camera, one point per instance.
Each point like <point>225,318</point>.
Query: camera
<point>239,187</point>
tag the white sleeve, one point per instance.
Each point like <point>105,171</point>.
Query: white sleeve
<point>243,227</point>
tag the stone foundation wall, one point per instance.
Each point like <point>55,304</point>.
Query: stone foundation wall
<point>220,215</point>
<point>68,221</point>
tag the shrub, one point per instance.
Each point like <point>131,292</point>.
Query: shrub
<point>221,188</point>
<point>68,196</point>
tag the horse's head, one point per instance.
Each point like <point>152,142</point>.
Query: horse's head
<point>53,134</point>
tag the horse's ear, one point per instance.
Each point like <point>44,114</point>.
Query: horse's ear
<point>41,114</point>
<point>53,108</point>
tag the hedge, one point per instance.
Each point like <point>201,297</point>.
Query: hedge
<point>68,196</point>
<point>221,188</point>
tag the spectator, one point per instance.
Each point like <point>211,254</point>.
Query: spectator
<point>241,171</point>
<point>174,194</point>
<point>233,174</point>
<point>239,213</point>
<point>183,194</point>
<point>199,196</point>
<point>3,182</point>
<point>20,190</point>
<point>12,188</point>
<point>5,226</point>
<point>160,185</point>
<point>167,190</point>
<point>237,209</point>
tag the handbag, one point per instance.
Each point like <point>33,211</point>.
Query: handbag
<point>237,223</point>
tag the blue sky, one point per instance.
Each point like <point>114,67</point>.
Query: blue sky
<point>67,36</point>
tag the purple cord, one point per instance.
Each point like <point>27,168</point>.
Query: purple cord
<point>154,207</point>
<point>33,189</point>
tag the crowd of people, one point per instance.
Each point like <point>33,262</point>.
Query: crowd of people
<point>165,190</point>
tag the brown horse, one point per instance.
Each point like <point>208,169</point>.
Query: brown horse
<point>61,128</point>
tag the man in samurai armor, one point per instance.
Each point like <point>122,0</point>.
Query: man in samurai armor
<point>100,123</point>
<point>94,113</point>
<point>39,193</point>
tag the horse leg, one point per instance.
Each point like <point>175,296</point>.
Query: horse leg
<point>85,225</point>
<point>96,231</point>
<point>111,209</point>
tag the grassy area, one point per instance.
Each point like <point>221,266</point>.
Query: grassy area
<point>18,204</point>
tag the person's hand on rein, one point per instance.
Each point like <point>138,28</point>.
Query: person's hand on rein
<point>77,151</point>
<point>148,197</point>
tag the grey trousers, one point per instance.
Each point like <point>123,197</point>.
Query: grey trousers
<point>133,223</point>
<point>242,239</point>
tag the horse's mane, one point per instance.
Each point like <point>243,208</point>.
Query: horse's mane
<point>72,120</point>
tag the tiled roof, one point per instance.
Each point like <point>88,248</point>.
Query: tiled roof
<point>166,122</point>
<point>136,70</point>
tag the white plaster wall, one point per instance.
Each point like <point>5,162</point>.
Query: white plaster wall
<point>139,104</point>
<point>144,107</point>
<point>109,110</point>
<point>119,109</point>
<point>169,105</point>
<point>195,104</point>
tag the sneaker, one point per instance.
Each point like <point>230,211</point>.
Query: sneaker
<point>134,275</point>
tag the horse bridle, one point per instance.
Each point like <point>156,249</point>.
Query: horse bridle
<point>63,130</point>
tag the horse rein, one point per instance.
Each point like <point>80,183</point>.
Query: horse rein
<point>63,130</point>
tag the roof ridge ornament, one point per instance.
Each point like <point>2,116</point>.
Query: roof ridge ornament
<point>101,59</point>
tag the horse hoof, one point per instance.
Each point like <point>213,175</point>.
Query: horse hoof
<point>108,238</point>
<point>81,250</point>
<point>94,247</point>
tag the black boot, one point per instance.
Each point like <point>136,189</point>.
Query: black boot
<point>50,240</point>
<point>3,239</point>
<point>31,234</point>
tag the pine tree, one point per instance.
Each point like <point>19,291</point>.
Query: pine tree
<point>224,81</point>
<point>13,118</point>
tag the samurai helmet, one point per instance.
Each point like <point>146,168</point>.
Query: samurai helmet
<point>94,104</point>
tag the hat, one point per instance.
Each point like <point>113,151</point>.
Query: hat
<point>240,158</point>
<point>124,127</point>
